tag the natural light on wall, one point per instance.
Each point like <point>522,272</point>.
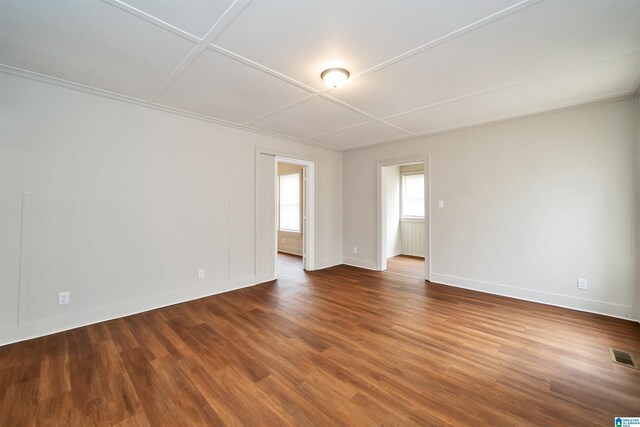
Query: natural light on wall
<point>290,202</point>
<point>413,196</point>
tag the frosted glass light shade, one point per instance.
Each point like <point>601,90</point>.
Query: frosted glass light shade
<point>335,77</point>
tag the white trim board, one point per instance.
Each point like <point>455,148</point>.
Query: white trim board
<point>289,251</point>
<point>490,122</point>
<point>30,75</point>
<point>57,324</point>
<point>54,81</point>
<point>625,312</point>
<point>360,263</point>
<point>328,263</point>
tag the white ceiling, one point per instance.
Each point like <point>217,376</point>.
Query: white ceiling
<point>418,67</point>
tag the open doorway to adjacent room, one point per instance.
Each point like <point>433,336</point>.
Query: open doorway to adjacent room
<point>403,214</point>
<point>285,200</point>
<point>291,220</point>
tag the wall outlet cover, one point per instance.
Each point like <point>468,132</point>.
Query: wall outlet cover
<point>582,283</point>
<point>63,298</point>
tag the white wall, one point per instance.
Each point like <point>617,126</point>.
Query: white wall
<point>530,205</point>
<point>391,187</point>
<point>121,205</point>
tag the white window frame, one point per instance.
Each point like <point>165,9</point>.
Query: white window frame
<point>403,217</point>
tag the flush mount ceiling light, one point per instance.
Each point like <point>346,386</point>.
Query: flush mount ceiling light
<point>334,77</point>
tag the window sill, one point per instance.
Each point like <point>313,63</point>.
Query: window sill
<point>411,219</point>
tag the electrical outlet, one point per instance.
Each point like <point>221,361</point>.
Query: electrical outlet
<point>355,249</point>
<point>582,283</point>
<point>201,274</point>
<point>440,204</point>
<point>63,298</point>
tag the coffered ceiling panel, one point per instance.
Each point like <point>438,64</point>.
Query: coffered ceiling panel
<point>88,42</point>
<point>195,17</point>
<point>223,88</point>
<point>309,118</point>
<point>545,37</point>
<point>367,133</point>
<point>589,83</point>
<point>310,36</point>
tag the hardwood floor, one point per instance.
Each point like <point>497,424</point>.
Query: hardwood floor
<point>406,265</point>
<point>341,346</point>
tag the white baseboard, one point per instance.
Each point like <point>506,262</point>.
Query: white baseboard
<point>265,279</point>
<point>581,304</point>
<point>412,254</point>
<point>75,320</point>
<point>360,263</point>
<point>326,263</point>
<point>292,251</point>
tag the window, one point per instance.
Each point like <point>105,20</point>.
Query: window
<point>290,202</point>
<point>413,196</point>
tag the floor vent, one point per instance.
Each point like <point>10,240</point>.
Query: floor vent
<point>623,358</point>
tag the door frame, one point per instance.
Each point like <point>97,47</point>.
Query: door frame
<point>381,235</point>
<point>308,235</point>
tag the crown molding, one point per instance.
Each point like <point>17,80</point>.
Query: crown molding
<point>620,96</point>
<point>5,69</point>
<point>29,75</point>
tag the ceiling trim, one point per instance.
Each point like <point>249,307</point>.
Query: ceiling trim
<point>201,44</point>
<point>325,92</point>
<point>6,69</point>
<point>525,80</point>
<point>227,17</point>
<point>54,81</point>
<point>367,144</point>
<point>341,129</point>
<point>443,39</point>
<point>261,67</point>
<point>619,96</point>
<point>31,75</point>
<point>286,107</point>
<point>361,112</point>
<point>152,19</point>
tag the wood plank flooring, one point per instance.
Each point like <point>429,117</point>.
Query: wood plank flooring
<point>341,346</point>
<point>406,265</point>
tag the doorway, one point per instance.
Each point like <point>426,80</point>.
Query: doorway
<point>297,224</point>
<point>290,223</point>
<point>403,220</point>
